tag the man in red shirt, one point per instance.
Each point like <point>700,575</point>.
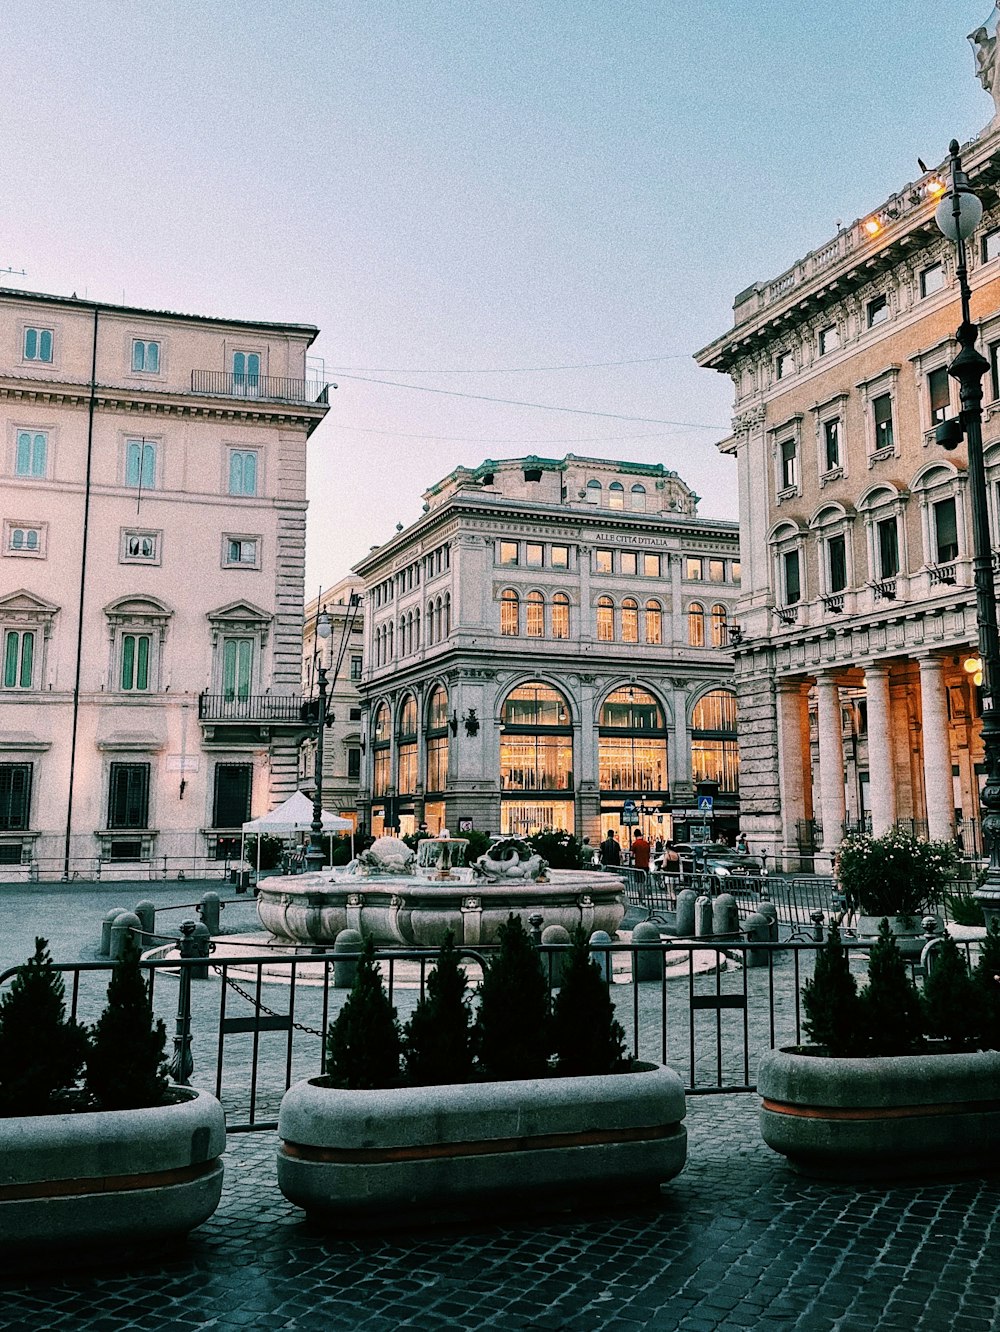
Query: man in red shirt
<point>640,852</point>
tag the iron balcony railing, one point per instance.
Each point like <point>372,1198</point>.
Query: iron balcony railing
<point>258,388</point>
<point>251,708</point>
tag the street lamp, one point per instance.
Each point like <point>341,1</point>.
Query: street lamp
<point>314,856</point>
<point>958,214</point>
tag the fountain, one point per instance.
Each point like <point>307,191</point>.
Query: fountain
<point>412,900</point>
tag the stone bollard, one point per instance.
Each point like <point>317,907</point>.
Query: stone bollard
<point>195,941</point>
<point>647,963</point>
<point>770,913</point>
<point>106,924</point>
<point>598,940</point>
<point>686,899</point>
<point>554,963</point>
<point>757,930</point>
<point>146,911</point>
<point>123,924</point>
<point>725,915</point>
<point>817,919</point>
<point>208,908</point>
<point>535,921</point>
<point>347,941</point>
<point>703,918</point>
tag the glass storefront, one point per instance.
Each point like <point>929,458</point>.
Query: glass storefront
<point>714,750</point>
<point>536,755</point>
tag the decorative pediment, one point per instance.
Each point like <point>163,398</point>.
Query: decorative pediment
<point>240,617</point>
<point>147,611</point>
<point>24,603</point>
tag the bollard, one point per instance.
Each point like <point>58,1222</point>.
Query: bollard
<point>555,963</point>
<point>686,899</point>
<point>201,946</point>
<point>347,941</point>
<point>598,941</point>
<point>182,1064</point>
<point>647,963</point>
<point>757,930</point>
<point>146,911</point>
<point>725,915</point>
<point>770,913</point>
<point>817,919</point>
<point>208,908</point>
<point>106,924</point>
<point>703,918</point>
<point>535,921</point>
<point>123,924</point>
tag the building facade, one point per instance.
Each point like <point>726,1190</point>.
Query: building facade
<point>342,654</point>
<point>151,581</point>
<point>545,645</point>
<point>856,670</point>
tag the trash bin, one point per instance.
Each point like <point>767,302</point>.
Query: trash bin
<point>242,880</point>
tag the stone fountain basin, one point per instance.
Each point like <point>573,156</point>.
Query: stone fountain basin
<point>418,912</point>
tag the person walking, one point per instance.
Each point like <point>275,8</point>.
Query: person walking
<point>640,852</point>
<point>611,852</point>
<point>671,862</point>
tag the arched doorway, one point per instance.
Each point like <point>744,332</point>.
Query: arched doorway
<point>536,761</point>
<point>632,763</point>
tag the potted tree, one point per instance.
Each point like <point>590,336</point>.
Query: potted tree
<point>119,1156</point>
<point>898,877</point>
<point>893,1082</point>
<point>457,1115</point>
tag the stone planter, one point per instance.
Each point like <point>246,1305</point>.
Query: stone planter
<point>110,1176</point>
<point>384,1157</point>
<point>917,1115</point>
<point>908,931</point>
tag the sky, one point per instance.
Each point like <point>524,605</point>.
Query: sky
<point>549,203</point>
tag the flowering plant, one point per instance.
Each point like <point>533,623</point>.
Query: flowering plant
<point>896,874</point>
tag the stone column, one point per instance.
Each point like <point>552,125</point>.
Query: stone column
<point>831,762</point>
<point>793,741</point>
<point>881,774</point>
<point>938,788</point>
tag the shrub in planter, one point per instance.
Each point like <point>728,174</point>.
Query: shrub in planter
<point>963,908</point>
<point>585,1035</point>
<point>126,1068</point>
<point>364,1041</point>
<point>830,999</point>
<point>511,1033</point>
<point>41,1050</point>
<point>437,1045</point>
<point>986,986</point>
<point>891,1017</point>
<point>893,875</point>
<point>950,998</point>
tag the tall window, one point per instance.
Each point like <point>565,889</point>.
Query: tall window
<point>616,495</point>
<point>932,280</point>
<point>720,625</point>
<point>638,499</point>
<point>939,394</point>
<point>18,658</point>
<point>829,339</point>
<point>406,747</point>
<point>243,471</point>
<point>882,415</point>
<point>38,344</point>
<point>887,531</point>
<point>353,765</point>
<point>246,369</point>
<point>145,356</point>
<point>946,530</point>
<point>696,624</point>
<point>381,751</point>
<point>593,492</point>
<point>535,615</point>
<point>231,797</point>
<point>792,581</point>
<point>31,455</point>
<point>605,620</point>
<point>356,664</point>
<point>135,662</point>
<point>510,613</point>
<point>632,743</point>
<point>140,463</point>
<point>536,742</point>
<point>831,443</point>
<point>836,549</point>
<point>560,615</point>
<point>654,622</point>
<point>789,464</point>
<point>15,796</point>
<point>714,754</point>
<point>437,741</point>
<point>237,667</point>
<point>630,620</point>
<point>878,311</point>
<point>128,796</point>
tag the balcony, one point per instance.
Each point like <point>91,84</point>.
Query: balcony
<point>834,603</point>
<point>788,615</point>
<point>252,709</point>
<point>258,388</point>
<point>884,589</point>
<point>943,575</point>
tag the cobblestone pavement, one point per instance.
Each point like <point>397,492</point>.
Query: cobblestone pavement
<point>737,1241</point>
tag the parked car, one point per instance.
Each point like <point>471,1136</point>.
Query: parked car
<point>718,860</point>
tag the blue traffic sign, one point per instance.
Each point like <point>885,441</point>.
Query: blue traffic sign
<point>706,803</point>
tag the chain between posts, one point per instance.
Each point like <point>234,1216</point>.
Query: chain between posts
<point>263,1008</point>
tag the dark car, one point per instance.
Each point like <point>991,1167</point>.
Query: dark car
<point>718,860</point>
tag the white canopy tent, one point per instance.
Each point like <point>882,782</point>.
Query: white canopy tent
<point>294,815</point>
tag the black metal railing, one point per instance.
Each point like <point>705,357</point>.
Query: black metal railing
<point>251,708</point>
<point>258,388</point>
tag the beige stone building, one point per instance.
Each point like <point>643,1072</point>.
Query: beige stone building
<point>856,670</point>
<point>152,496</point>
<point>548,642</point>
<point>342,653</point>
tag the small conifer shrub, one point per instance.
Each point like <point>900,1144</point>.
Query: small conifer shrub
<point>986,987</point>
<point>41,1050</point>
<point>830,1000</point>
<point>437,1046</point>
<point>585,1035</point>
<point>364,1041</point>
<point>949,997</point>
<point>126,1068</point>
<point>890,1003</point>
<point>511,1032</point>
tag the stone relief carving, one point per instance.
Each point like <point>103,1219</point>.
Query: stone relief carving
<point>987,69</point>
<point>748,420</point>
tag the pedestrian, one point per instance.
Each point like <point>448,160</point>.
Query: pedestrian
<point>640,852</point>
<point>741,843</point>
<point>671,860</point>
<point>611,852</point>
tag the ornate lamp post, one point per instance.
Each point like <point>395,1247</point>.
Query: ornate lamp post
<point>314,856</point>
<point>958,214</point>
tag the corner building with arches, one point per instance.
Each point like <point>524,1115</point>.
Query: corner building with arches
<point>856,670</point>
<point>549,641</point>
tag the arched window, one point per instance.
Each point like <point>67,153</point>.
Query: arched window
<point>616,495</point>
<point>416,630</point>
<point>632,743</point>
<point>431,637</point>
<point>380,750</point>
<point>593,492</point>
<point>605,620</point>
<point>630,620</point>
<point>406,747</point>
<point>510,613</point>
<point>536,760</point>
<point>714,753</point>
<point>720,626</point>
<point>437,741</point>
<point>560,615</point>
<point>535,615</point>
<point>654,622</point>
<point>638,499</point>
<point>447,615</point>
<point>696,624</point>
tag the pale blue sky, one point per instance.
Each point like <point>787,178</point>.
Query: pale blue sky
<point>474,185</point>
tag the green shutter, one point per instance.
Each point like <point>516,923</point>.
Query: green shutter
<point>128,661</point>
<point>142,663</point>
<point>10,661</point>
